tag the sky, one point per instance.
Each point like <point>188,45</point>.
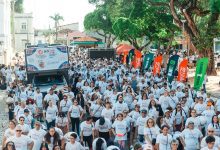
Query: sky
<point>71,10</point>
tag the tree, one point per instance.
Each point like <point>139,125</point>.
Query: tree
<point>18,6</point>
<point>201,24</point>
<point>140,21</point>
<point>56,18</point>
<point>100,22</point>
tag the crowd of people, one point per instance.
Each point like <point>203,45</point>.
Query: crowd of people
<point>109,106</point>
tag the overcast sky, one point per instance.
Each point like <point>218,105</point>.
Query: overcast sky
<point>71,10</point>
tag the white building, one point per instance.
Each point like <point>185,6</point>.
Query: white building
<point>5,32</point>
<point>24,31</point>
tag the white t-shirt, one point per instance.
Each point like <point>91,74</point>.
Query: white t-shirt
<point>195,120</point>
<point>52,97</point>
<point>199,108</point>
<point>217,142</point>
<point>107,113</point>
<point>141,122</point>
<point>75,146</point>
<point>8,133</point>
<point>96,110</point>
<point>120,130</point>
<point>75,111</point>
<point>206,148</point>
<point>38,97</point>
<point>191,138</point>
<point>164,102</point>
<point>134,115</point>
<point>164,141</point>
<point>37,136</point>
<point>25,128</point>
<point>120,107</point>
<point>86,128</point>
<point>51,113</point>
<point>105,127</point>
<point>65,105</point>
<point>21,143</point>
<point>151,133</point>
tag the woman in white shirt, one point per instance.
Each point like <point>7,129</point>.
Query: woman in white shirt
<point>107,112</point>
<point>215,124</point>
<point>9,132</point>
<point>129,96</point>
<point>164,139</point>
<point>151,132</point>
<point>51,113</point>
<point>144,102</point>
<point>119,129</point>
<point>75,114</point>
<point>96,110</point>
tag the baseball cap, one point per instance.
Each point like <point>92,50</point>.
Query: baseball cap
<point>144,111</point>
<point>26,110</point>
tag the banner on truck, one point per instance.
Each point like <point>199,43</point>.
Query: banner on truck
<point>42,59</point>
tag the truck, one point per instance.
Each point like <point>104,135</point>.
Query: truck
<point>47,66</point>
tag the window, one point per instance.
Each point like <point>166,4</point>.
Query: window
<point>24,26</point>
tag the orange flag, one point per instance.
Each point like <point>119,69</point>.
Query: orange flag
<point>157,65</point>
<point>136,63</point>
<point>182,72</point>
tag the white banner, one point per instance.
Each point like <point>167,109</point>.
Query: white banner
<point>51,58</point>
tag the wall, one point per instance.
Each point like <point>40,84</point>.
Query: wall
<point>24,31</point>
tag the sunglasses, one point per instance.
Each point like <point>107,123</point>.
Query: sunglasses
<point>211,131</point>
<point>18,130</point>
<point>21,120</point>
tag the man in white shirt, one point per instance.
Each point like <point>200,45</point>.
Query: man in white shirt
<point>51,96</point>
<point>37,135</point>
<point>210,141</point>
<point>65,104</point>
<point>22,142</point>
<point>73,144</point>
<point>211,132</point>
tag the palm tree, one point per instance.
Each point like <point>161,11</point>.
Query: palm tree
<point>56,18</point>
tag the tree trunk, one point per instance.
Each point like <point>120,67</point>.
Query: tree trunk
<point>211,66</point>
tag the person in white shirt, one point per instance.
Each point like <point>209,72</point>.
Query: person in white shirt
<point>215,124</point>
<point>37,135</point>
<point>173,99</point>
<point>51,113</point>
<point>25,128</point>
<point>75,114</point>
<point>9,132</point>
<point>87,131</point>
<point>73,144</point>
<point>210,141</point>
<point>38,99</point>
<point>193,118</point>
<point>164,139</point>
<point>164,101</point>
<point>65,104</point>
<point>191,137</point>
<point>99,144</point>
<point>119,129</point>
<point>21,142</point>
<point>151,132</point>
<point>200,106</point>
<point>107,112</point>
<point>141,122</point>
<point>51,96</point>
<point>211,132</point>
<point>103,126</point>
<point>119,106</point>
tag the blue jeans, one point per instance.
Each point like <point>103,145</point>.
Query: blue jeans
<point>50,124</point>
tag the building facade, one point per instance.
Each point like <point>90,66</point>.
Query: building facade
<point>5,32</point>
<point>24,31</point>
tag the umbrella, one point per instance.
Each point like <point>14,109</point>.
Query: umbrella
<point>123,48</point>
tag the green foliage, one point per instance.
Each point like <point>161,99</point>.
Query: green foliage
<point>215,6</point>
<point>98,20</point>
<point>18,6</point>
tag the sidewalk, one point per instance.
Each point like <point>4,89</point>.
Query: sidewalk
<point>212,85</point>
